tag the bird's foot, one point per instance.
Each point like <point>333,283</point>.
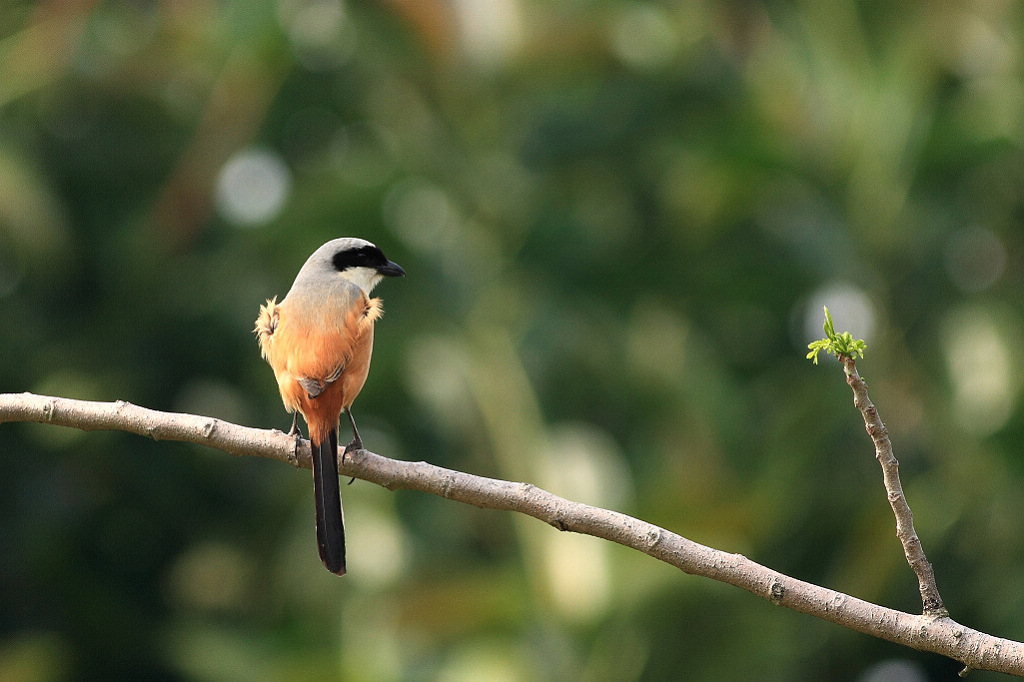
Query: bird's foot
<point>356,444</point>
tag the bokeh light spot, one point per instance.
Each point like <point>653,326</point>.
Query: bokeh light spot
<point>643,37</point>
<point>981,369</point>
<point>894,670</point>
<point>252,188</point>
<point>211,576</point>
<point>420,213</point>
<point>36,656</point>
<point>377,557</point>
<point>490,30</point>
<point>320,33</point>
<point>851,309</point>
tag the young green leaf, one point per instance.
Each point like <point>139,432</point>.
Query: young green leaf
<point>840,345</point>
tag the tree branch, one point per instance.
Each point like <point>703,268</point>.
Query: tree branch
<point>930,632</point>
<point>912,548</point>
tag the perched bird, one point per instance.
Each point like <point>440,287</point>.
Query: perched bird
<point>318,340</point>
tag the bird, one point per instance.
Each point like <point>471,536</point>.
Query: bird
<point>318,340</point>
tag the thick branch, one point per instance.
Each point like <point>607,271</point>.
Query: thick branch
<point>940,635</point>
<point>912,548</point>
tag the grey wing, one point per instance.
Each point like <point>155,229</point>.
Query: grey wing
<point>315,387</point>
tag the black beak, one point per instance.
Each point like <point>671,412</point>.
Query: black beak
<point>392,269</point>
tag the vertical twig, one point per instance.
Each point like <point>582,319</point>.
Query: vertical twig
<point>930,599</point>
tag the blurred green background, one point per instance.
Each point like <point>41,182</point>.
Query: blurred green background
<point>620,221</point>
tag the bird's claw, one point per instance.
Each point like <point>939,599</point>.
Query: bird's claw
<point>294,430</point>
<point>356,444</point>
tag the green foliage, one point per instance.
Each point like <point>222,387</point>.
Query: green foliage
<point>611,215</point>
<point>841,345</point>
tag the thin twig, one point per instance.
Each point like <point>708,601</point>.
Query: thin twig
<point>930,599</point>
<point>941,635</point>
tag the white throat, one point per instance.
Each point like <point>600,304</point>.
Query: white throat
<point>364,278</point>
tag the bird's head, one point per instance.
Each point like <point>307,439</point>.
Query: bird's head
<point>356,260</point>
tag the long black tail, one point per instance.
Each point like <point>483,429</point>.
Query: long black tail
<point>330,522</point>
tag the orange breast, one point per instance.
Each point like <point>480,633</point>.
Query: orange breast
<point>314,345</point>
